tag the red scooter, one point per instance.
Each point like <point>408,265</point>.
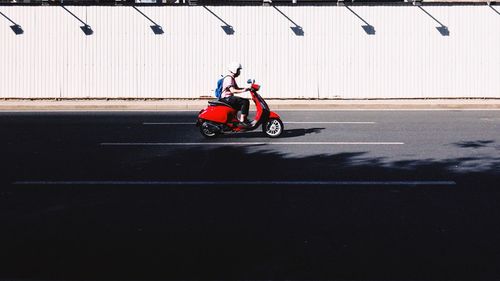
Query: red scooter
<point>220,118</point>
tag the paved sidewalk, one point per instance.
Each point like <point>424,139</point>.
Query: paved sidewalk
<point>159,105</point>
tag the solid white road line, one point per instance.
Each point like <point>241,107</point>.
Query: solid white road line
<point>242,143</point>
<point>338,122</point>
<point>389,109</point>
<point>169,123</point>
<point>94,110</point>
<point>219,183</point>
<point>312,122</point>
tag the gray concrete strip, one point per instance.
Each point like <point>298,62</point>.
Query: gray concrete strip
<point>194,105</point>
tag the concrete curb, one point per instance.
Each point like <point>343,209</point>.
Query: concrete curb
<point>161,105</point>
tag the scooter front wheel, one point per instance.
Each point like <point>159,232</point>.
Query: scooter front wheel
<point>273,127</point>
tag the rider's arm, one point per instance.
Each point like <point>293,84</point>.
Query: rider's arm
<point>236,90</point>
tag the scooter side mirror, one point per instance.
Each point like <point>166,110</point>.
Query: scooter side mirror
<point>250,81</point>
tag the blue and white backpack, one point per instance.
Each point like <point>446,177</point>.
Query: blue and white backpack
<point>218,90</point>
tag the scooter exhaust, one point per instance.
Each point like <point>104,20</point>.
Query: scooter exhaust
<point>213,127</point>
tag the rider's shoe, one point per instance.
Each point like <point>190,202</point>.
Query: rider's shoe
<point>245,124</point>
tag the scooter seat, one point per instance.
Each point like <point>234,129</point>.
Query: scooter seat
<point>217,102</point>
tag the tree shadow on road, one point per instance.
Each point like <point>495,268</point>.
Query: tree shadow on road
<point>69,160</point>
<point>248,232</point>
<point>260,162</point>
<point>474,144</point>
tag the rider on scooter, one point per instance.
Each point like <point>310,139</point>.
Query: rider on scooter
<point>230,88</point>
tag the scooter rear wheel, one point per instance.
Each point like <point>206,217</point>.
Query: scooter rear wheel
<point>273,128</point>
<point>206,132</point>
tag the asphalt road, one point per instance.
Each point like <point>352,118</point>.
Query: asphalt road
<point>394,195</point>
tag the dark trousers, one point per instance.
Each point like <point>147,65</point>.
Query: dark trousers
<point>238,103</point>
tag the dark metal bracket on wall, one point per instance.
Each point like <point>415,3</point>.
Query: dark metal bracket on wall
<point>157,29</point>
<point>16,28</point>
<point>228,29</point>
<point>87,30</point>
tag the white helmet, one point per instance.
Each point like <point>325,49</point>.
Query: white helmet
<point>233,67</point>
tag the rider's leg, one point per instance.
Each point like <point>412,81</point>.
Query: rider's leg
<point>245,106</point>
<point>234,102</point>
<point>239,103</point>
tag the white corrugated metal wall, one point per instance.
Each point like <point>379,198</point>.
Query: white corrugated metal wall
<point>406,57</point>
